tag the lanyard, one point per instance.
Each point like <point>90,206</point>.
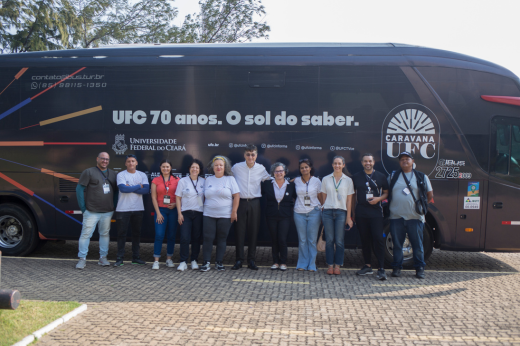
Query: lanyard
<point>167,188</point>
<point>103,174</point>
<point>334,180</point>
<point>195,185</point>
<point>307,183</point>
<point>370,179</point>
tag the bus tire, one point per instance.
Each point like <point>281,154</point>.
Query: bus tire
<point>18,233</point>
<point>407,249</point>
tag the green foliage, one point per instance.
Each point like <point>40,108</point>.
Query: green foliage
<point>225,21</point>
<point>35,25</point>
<point>30,25</point>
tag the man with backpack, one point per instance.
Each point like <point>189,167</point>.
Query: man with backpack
<point>410,193</point>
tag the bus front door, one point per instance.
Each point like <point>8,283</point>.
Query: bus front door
<point>503,215</point>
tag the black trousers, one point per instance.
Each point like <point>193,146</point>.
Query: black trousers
<point>134,219</point>
<point>215,228</point>
<point>371,233</point>
<point>248,222</point>
<point>191,231</point>
<point>279,229</point>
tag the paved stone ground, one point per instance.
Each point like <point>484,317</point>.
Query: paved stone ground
<point>466,299</point>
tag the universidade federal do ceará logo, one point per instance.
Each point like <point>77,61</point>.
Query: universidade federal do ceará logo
<point>120,146</point>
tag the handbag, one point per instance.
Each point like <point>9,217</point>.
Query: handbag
<point>321,242</point>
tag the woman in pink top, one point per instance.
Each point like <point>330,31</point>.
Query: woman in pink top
<point>163,199</point>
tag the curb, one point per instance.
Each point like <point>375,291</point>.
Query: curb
<point>41,332</point>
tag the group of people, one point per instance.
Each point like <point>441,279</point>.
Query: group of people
<point>205,209</point>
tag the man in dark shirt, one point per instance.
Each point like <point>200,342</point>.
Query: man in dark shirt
<point>371,188</point>
<point>97,197</point>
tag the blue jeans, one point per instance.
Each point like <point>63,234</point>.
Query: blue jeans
<point>399,228</point>
<point>90,220</point>
<point>334,229</point>
<point>168,227</point>
<point>307,226</point>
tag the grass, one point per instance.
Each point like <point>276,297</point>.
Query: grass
<point>30,316</point>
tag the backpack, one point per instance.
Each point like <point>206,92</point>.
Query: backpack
<point>421,201</point>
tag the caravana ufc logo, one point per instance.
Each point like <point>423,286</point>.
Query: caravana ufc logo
<point>413,128</point>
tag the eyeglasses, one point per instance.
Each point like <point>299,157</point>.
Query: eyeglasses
<point>103,159</point>
<point>279,172</point>
<point>250,154</point>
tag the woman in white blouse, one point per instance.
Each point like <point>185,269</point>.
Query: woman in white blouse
<point>222,196</point>
<point>307,215</point>
<point>190,205</point>
<point>337,190</point>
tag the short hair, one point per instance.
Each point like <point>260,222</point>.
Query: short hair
<point>130,156</point>
<point>278,164</point>
<point>103,152</point>
<point>307,162</point>
<point>227,165</point>
<point>367,154</point>
<point>168,162</point>
<point>201,167</point>
<point>250,147</point>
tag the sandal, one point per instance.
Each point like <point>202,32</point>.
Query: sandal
<point>330,271</point>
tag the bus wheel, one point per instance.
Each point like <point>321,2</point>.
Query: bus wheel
<point>18,235</point>
<point>407,247</point>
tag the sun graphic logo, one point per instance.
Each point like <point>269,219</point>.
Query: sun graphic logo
<point>413,128</point>
<point>120,146</point>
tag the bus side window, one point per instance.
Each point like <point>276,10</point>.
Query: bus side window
<point>502,149</point>
<point>515,151</point>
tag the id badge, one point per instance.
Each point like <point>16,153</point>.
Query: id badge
<point>369,196</point>
<point>406,191</point>
<point>339,197</point>
<point>166,199</point>
<point>106,189</point>
<point>307,201</point>
<point>199,201</point>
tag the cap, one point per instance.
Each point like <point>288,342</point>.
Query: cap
<point>405,153</point>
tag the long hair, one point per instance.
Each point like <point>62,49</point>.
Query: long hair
<point>227,165</point>
<point>168,162</point>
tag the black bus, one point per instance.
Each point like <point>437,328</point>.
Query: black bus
<point>458,115</point>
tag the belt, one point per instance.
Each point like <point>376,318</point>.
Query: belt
<point>249,199</point>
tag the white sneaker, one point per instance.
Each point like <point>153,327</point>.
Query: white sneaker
<point>194,265</point>
<point>182,266</point>
<point>169,263</point>
<point>81,263</point>
<point>155,265</point>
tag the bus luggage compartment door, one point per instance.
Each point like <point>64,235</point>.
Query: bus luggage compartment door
<point>469,215</point>
<point>66,201</point>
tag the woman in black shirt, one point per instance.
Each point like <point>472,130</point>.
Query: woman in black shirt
<point>280,195</point>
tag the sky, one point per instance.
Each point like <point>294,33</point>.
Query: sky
<point>483,29</point>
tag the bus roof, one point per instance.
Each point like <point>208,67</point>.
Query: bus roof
<point>255,54</point>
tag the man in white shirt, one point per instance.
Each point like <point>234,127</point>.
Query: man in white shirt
<point>132,184</point>
<point>248,175</point>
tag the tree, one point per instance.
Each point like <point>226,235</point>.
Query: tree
<point>32,25</point>
<point>117,21</point>
<point>224,21</point>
